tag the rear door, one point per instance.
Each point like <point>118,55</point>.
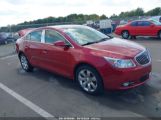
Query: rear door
<point>145,28</point>
<point>32,47</point>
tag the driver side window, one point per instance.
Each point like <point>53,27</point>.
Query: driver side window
<point>52,36</point>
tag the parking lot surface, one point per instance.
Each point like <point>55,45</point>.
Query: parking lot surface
<point>44,94</point>
<point>6,50</point>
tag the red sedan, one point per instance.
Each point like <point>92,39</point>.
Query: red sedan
<point>86,55</point>
<point>139,28</point>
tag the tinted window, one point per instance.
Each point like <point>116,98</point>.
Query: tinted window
<point>35,36</point>
<point>146,23</point>
<point>134,24</point>
<point>143,23</point>
<point>28,37</point>
<point>160,19</point>
<point>52,36</point>
<point>140,23</point>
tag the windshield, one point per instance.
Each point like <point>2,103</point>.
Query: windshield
<point>85,35</point>
<point>155,22</point>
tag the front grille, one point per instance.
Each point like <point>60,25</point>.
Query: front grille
<point>143,58</point>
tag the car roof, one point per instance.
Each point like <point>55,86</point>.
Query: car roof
<point>67,26</point>
<point>58,27</point>
<point>140,20</point>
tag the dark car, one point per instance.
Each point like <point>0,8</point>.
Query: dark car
<point>6,38</point>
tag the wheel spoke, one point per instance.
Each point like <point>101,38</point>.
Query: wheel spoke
<point>82,78</point>
<point>89,87</point>
<point>88,73</point>
<point>84,84</point>
<point>93,79</point>
<point>83,74</point>
<point>93,85</point>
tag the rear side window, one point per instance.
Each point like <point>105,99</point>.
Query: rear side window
<point>140,23</point>
<point>52,36</point>
<point>146,23</point>
<point>134,24</point>
<point>143,23</point>
<point>160,19</point>
<point>28,37</point>
<point>34,36</point>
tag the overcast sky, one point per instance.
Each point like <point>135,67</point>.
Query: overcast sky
<point>17,11</point>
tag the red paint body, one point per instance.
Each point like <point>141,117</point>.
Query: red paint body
<point>65,60</point>
<point>138,30</point>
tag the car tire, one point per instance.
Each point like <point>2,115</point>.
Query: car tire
<point>125,34</point>
<point>159,34</point>
<point>25,63</point>
<point>133,37</point>
<point>89,80</point>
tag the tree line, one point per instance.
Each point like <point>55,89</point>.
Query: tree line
<point>138,12</point>
<point>79,19</point>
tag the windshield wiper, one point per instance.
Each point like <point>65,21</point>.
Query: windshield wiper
<point>90,43</point>
<point>104,39</point>
<point>101,40</point>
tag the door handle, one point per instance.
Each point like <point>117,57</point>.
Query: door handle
<point>44,51</point>
<point>26,47</point>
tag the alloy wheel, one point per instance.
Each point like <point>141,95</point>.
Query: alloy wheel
<point>24,62</point>
<point>125,34</point>
<point>87,80</point>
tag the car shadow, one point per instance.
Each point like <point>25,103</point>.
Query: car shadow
<point>140,38</point>
<point>140,100</point>
<point>151,39</point>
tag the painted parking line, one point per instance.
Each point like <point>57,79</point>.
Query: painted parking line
<point>26,102</point>
<point>158,60</point>
<point>6,57</point>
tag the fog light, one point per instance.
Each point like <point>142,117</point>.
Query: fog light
<point>126,84</point>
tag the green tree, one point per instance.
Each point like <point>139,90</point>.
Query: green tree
<point>154,12</point>
<point>103,17</point>
<point>114,16</point>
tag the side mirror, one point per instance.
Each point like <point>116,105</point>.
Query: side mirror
<point>60,44</point>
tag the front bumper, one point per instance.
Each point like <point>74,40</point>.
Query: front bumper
<point>117,32</point>
<point>121,79</point>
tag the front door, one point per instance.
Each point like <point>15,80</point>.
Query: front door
<point>56,59</point>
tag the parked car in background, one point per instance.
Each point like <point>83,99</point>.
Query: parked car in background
<point>6,38</point>
<point>139,28</point>
<point>81,53</point>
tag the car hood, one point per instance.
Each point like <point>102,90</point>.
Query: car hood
<point>116,47</point>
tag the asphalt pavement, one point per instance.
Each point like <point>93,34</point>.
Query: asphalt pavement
<point>44,94</point>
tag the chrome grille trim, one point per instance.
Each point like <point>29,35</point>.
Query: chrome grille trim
<point>141,59</point>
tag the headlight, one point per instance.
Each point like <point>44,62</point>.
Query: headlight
<point>120,63</point>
